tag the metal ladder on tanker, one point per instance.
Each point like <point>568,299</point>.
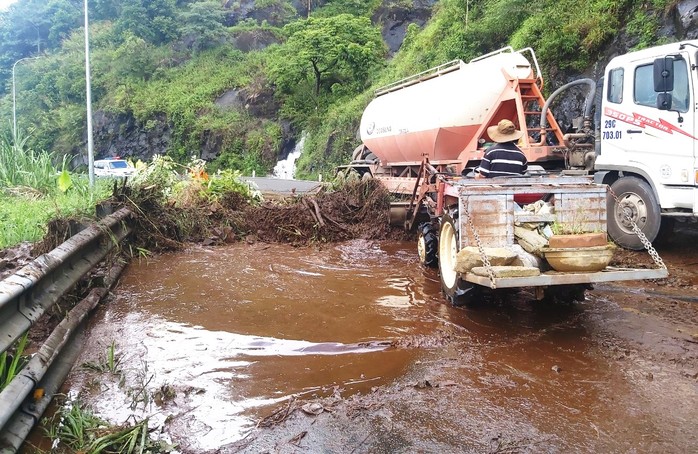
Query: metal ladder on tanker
<point>529,96</point>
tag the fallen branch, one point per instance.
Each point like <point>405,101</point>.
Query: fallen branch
<point>279,415</point>
<point>312,213</point>
<point>317,211</point>
<point>297,439</point>
<point>340,226</point>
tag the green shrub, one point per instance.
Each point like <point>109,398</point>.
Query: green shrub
<point>227,182</point>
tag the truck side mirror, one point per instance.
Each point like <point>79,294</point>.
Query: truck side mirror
<point>664,101</point>
<point>663,75</point>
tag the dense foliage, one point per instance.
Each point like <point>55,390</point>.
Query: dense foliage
<point>234,83</point>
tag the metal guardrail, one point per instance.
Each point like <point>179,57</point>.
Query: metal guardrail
<point>26,295</point>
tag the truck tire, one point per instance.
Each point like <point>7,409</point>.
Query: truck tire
<point>457,291</point>
<point>565,294</point>
<point>638,201</point>
<point>428,245</point>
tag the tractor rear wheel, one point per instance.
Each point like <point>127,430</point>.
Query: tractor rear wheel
<point>427,245</point>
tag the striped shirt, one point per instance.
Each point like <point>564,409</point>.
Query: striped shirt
<point>501,160</point>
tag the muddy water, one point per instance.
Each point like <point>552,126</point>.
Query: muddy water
<point>234,330</point>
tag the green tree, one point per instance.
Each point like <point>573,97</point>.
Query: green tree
<point>134,58</point>
<point>152,20</point>
<point>202,25</point>
<point>340,50</point>
<point>65,16</point>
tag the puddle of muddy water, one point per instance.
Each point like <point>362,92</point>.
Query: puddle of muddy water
<point>234,330</point>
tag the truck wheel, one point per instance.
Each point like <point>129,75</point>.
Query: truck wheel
<point>457,291</point>
<point>570,293</point>
<point>448,249</point>
<point>637,201</point>
<point>427,245</point>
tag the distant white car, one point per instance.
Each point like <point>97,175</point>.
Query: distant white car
<point>113,168</point>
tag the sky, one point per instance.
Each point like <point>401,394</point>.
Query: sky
<point>5,3</point>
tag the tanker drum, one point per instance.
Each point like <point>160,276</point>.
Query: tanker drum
<point>438,113</point>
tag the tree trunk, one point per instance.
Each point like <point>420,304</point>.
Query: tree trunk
<point>316,70</point>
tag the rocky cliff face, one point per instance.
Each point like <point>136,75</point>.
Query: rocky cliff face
<point>395,18</point>
<point>121,135</point>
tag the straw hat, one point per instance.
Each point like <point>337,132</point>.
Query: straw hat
<point>505,131</point>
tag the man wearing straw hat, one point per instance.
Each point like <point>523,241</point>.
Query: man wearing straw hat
<point>503,158</point>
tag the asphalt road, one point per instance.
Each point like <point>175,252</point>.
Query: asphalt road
<point>281,186</point>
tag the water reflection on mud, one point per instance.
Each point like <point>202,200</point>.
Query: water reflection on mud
<point>233,330</point>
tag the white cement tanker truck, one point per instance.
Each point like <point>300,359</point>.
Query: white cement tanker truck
<point>643,143</point>
<point>422,134</point>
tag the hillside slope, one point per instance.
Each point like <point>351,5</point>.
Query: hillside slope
<point>237,83</point>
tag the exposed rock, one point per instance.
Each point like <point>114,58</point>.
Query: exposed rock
<point>259,103</point>
<point>229,100</point>
<point>301,6</point>
<point>396,18</point>
<point>276,14</point>
<point>122,135</point>
<point>256,39</point>
<point>687,14</point>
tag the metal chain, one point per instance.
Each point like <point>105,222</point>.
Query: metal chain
<point>643,239</point>
<point>483,256</point>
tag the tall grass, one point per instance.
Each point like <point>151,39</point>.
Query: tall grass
<point>21,166</point>
<point>24,216</point>
<point>11,364</point>
<point>76,429</point>
<point>29,194</point>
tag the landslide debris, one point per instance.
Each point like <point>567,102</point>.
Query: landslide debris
<point>358,209</point>
<point>355,209</point>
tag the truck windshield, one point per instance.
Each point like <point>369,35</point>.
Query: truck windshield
<point>118,165</point>
<point>645,95</point>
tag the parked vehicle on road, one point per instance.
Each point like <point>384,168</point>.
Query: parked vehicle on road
<point>113,167</point>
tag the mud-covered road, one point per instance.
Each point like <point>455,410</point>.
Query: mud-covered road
<point>351,348</point>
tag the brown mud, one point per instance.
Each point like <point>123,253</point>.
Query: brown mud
<point>617,372</point>
<point>351,348</point>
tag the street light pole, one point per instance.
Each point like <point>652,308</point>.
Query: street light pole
<point>88,88</point>
<point>14,99</point>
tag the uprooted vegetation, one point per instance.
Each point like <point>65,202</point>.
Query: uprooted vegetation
<point>172,209</point>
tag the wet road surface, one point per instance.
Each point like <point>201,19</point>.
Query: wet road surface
<point>213,339</point>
